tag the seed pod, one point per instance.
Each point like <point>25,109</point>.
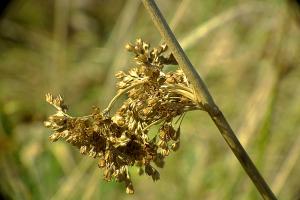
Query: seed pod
<point>121,85</point>
<point>140,171</point>
<point>133,72</point>
<point>101,163</point>
<point>83,150</point>
<point>170,80</point>
<point>151,102</point>
<point>162,144</point>
<point>142,58</point>
<point>107,174</point>
<point>54,137</point>
<point>146,46</point>
<point>175,146</point>
<point>170,131</point>
<point>119,120</point>
<point>159,160</point>
<point>120,74</point>
<point>92,153</point>
<point>155,176</point>
<point>162,134</point>
<point>129,188</point>
<point>178,78</point>
<point>165,152</point>
<point>147,110</point>
<point>127,79</point>
<point>120,176</point>
<point>161,80</point>
<point>149,170</point>
<point>107,156</point>
<point>138,41</point>
<point>129,47</point>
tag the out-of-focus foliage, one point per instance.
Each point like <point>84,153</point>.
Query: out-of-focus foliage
<point>246,51</point>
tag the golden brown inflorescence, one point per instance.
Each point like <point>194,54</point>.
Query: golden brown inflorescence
<point>120,140</point>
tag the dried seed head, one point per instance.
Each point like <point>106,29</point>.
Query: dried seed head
<point>140,171</point>
<point>175,146</point>
<point>119,120</point>
<point>155,176</point>
<point>101,163</point>
<point>129,188</point>
<point>120,140</point>
<point>129,47</point>
<point>120,75</point>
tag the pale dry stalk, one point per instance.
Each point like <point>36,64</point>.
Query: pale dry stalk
<point>207,101</point>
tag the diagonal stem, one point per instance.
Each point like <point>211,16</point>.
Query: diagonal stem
<point>203,96</point>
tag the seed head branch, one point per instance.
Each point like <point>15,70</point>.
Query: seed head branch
<point>120,140</point>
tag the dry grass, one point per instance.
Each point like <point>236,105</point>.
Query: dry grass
<point>250,63</point>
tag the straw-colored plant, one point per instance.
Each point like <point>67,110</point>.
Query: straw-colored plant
<point>121,139</point>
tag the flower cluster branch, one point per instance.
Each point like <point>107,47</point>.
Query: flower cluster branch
<point>154,96</point>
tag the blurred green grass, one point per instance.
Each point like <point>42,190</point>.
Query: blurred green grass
<point>247,52</point>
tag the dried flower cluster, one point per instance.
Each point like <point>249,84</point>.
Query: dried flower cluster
<point>120,140</point>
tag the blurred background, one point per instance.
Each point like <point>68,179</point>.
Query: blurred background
<point>248,52</point>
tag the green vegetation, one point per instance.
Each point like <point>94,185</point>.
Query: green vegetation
<point>248,54</point>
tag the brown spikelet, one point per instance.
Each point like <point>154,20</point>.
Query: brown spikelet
<point>121,140</point>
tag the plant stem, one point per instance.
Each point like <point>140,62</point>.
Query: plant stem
<point>203,96</point>
<point>120,93</point>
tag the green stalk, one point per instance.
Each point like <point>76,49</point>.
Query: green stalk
<point>203,96</point>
